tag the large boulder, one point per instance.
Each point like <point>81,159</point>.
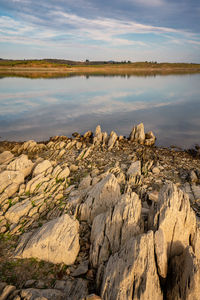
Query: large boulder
<point>56,241</point>
<point>10,177</point>
<point>42,167</point>
<point>100,198</point>
<point>22,164</point>
<point>131,273</point>
<point>175,222</point>
<point>18,210</point>
<point>112,229</point>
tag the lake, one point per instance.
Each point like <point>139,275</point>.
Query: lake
<point>39,108</point>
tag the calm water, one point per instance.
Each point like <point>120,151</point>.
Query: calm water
<point>40,108</point>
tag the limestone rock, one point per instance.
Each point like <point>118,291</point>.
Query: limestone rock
<point>76,289</point>
<point>22,164</point>
<point>56,241</point>
<point>85,182</point>
<point>149,139</point>
<point>134,169</point>
<point>8,178</point>
<point>7,291</point>
<point>5,157</point>
<point>112,140</point>
<point>50,294</point>
<point>64,173</point>
<point>111,230</point>
<point>131,273</point>
<point>184,277</point>
<point>101,197</point>
<point>28,146</point>
<point>42,167</point>
<point>97,136</point>
<point>137,134</point>
<point>18,210</point>
<point>176,224</point>
<point>88,134</point>
<point>104,138</point>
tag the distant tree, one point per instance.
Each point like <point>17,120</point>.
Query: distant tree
<point>87,61</point>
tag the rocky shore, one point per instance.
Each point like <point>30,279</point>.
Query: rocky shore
<point>99,216</point>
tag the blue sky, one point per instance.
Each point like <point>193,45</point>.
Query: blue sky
<point>136,30</point>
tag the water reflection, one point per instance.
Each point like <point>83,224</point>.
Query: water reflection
<point>40,108</point>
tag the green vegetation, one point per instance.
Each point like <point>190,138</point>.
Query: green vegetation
<point>30,63</point>
<point>57,63</point>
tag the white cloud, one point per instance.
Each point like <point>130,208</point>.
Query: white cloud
<point>75,30</point>
<point>149,2</point>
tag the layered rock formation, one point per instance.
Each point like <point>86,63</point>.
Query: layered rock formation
<point>114,217</point>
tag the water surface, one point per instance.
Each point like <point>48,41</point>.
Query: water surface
<point>40,108</point>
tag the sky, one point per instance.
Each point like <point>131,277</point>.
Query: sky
<point>135,30</point>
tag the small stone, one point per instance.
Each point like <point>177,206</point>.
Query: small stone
<point>29,283</point>
<point>73,168</point>
<point>155,170</point>
<point>82,269</point>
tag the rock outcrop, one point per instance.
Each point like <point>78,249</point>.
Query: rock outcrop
<point>111,230</point>
<point>176,226</point>
<point>137,135</point>
<point>131,273</point>
<point>56,241</point>
<point>102,196</point>
<point>103,214</point>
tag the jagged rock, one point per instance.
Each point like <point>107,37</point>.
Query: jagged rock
<point>10,182</point>
<point>82,269</point>
<point>42,167</point>
<point>112,139</point>
<point>193,176</point>
<point>104,138</point>
<point>56,241</point>
<point>176,224</point>
<point>131,273</point>
<point>137,134</point>
<point>88,134</point>
<point>64,173</point>
<point>18,210</point>
<point>73,289</point>
<point>84,153</point>
<point>22,164</point>
<point>36,182</point>
<point>184,277</point>
<point>149,139</point>
<point>50,294</point>
<point>85,182</point>
<point>134,169</point>
<point>101,197</point>
<point>112,229</point>
<point>5,157</point>
<point>97,136</point>
<point>7,291</point>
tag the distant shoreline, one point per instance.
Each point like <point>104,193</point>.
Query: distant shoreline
<point>67,66</point>
<point>112,70</point>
